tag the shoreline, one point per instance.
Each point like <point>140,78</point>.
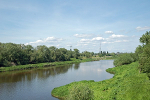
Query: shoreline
<point>48,64</point>
<point>126,83</point>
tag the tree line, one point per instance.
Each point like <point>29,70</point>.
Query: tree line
<point>12,54</point>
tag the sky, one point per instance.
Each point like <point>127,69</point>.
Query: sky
<point>88,25</point>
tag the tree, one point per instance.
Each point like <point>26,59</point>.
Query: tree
<point>145,39</point>
<point>143,53</point>
<point>144,59</point>
<point>104,53</point>
<point>53,51</point>
<point>138,51</point>
<point>12,54</point>
<point>87,54</point>
<point>92,53</point>
<point>43,54</point>
<point>76,53</point>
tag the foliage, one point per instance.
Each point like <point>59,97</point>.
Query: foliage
<point>138,51</point>
<point>143,53</point>
<point>12,54</point>
<point>75,91</point>
<point>19,54</point>
<point>144,59</point>
<point>145,39</point>
<point>87,54</point>
<point>76,53</point>
<point>80,92</point>
<point>125,58</point>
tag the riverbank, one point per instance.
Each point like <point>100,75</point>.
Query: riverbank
<point>127,84</point>
<point>41,65</point>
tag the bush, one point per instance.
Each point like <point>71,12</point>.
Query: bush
<point>144,59</point>
<point>80,92</point>
<point>125,58</point>
<point>7,63</point>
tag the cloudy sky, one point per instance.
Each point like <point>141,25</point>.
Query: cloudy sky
<point>84,24</point>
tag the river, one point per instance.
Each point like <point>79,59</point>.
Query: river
<point>38,84</point>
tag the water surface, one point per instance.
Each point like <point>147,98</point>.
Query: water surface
<point>38,84</point>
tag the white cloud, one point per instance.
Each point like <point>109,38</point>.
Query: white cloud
<point>109,32</point>
<point>118,41</point>
<point>117,36</point>
<point>53,39</point>
<point>142,28</point>
<point>85,40</point>
<point>44,41</point>
<point>82,35</point>
<point>92,41</point>
<point>121,40</point>
<point>97,38</point>
<point>107,42</point>
<point>68,45</point>
<point>85,44</point>
<point>50,39</point>
<point>125,40</point>
<point>115,39</point>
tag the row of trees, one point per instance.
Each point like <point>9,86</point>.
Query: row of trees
<point>20,54</point>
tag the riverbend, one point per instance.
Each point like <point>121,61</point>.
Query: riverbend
<point>38,84</point>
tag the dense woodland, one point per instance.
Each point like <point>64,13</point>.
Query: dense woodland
<point>142,55</point>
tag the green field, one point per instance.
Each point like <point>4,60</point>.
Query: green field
<point>127,84</point>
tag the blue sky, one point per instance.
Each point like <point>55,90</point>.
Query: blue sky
<point>82,24</point>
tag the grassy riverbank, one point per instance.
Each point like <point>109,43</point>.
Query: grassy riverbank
<point>127,84</point>
<point>41,65</point>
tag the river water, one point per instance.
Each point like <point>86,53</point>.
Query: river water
<point>38,84</point>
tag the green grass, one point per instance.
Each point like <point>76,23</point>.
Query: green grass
<point>127,84</point>
<point>41,65</point>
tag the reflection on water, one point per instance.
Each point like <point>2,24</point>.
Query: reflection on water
<point>37,84</point>
<point>28,75</point>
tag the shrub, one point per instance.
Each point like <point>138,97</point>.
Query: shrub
<point>125,58</point>
<point>7,63</point>
<point>80,92</point>
<point>144,59</point>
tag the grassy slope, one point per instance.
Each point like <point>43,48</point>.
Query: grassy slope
<point>127,84</point>
<point>41,65</point>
